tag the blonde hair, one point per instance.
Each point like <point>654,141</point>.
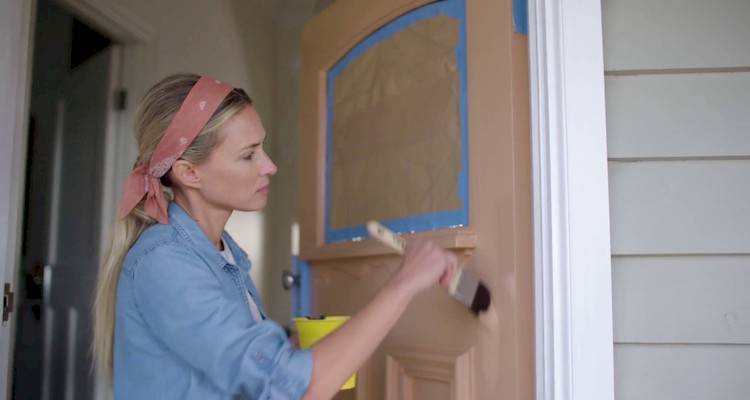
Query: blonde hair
<point>155,112</point>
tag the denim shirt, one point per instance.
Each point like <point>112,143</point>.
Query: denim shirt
<point>183,328</point>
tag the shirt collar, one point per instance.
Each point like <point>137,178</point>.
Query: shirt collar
<point>190,230</point>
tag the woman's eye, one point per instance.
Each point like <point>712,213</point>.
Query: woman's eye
<point>249,156</point>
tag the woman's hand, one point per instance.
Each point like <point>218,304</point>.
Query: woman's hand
<point>425,264</point>
<point>339,354</point>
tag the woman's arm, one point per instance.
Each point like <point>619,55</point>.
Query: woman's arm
<point>339,354</point>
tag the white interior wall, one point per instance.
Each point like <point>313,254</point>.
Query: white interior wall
<point>677,76</point>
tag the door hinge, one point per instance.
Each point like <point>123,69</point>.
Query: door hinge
<point>121,99</point>
<point>7,302</point>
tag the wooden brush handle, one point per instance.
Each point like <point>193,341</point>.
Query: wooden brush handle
<point>386,237</point>
<point>398,244</point>
<point>468,281</point>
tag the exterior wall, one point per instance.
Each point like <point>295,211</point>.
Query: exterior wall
<point>677,92</point>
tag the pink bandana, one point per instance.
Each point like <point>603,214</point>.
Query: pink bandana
<point>199,105</point>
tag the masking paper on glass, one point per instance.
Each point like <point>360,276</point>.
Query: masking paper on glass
<point>396,137</point>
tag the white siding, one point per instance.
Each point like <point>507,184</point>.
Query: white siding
<point>681,299</point>
<point>677,89</point>
<point>680,207</point>
<point>682,372</point>
<point>675,34</point>
<point>679,115</point>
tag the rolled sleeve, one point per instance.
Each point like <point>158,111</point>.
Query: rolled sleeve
<point>293,374</point>
<point>183,302</point>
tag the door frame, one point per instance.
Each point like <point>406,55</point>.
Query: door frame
<point>16,52</point>
<point>572,259</point>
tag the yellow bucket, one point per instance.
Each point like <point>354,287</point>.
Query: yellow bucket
<point>312,330</point>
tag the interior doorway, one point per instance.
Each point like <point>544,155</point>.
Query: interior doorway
<point>72,105</point>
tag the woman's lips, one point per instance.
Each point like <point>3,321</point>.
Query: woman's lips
<point>264,189</point>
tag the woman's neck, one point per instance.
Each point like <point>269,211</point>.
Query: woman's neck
<point>210,219</point>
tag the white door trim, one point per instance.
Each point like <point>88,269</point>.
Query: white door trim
<point>574,357</point>
<point>16,36</point>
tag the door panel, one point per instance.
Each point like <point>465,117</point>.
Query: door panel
<point>438,349</point>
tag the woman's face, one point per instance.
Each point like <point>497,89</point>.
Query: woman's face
<point>237,173</point>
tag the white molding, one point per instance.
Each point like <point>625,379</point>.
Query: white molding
<point>112,19</point>
<point>574,357</point>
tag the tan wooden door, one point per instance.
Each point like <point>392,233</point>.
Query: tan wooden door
<point>438,350</point>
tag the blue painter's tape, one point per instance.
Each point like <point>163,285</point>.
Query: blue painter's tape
<point>521,16</point>
<point>302,292</point>
<point>415,223</point>
<point>295,288</point>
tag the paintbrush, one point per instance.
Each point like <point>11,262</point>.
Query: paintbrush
<point>465,285</point>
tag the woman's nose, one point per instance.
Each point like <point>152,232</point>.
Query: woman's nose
<point>270,168</point>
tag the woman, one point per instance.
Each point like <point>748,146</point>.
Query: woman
<point>176,314</point>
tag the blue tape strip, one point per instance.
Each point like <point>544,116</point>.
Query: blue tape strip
<point>430,221</point>
<point>521,16</point>
<point>414,223</point>
<point>295,288</point>
<point>302,292</point>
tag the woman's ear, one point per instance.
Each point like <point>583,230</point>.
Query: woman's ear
<point>185,174</point>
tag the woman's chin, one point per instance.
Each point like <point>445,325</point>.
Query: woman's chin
<point>255,205</point>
